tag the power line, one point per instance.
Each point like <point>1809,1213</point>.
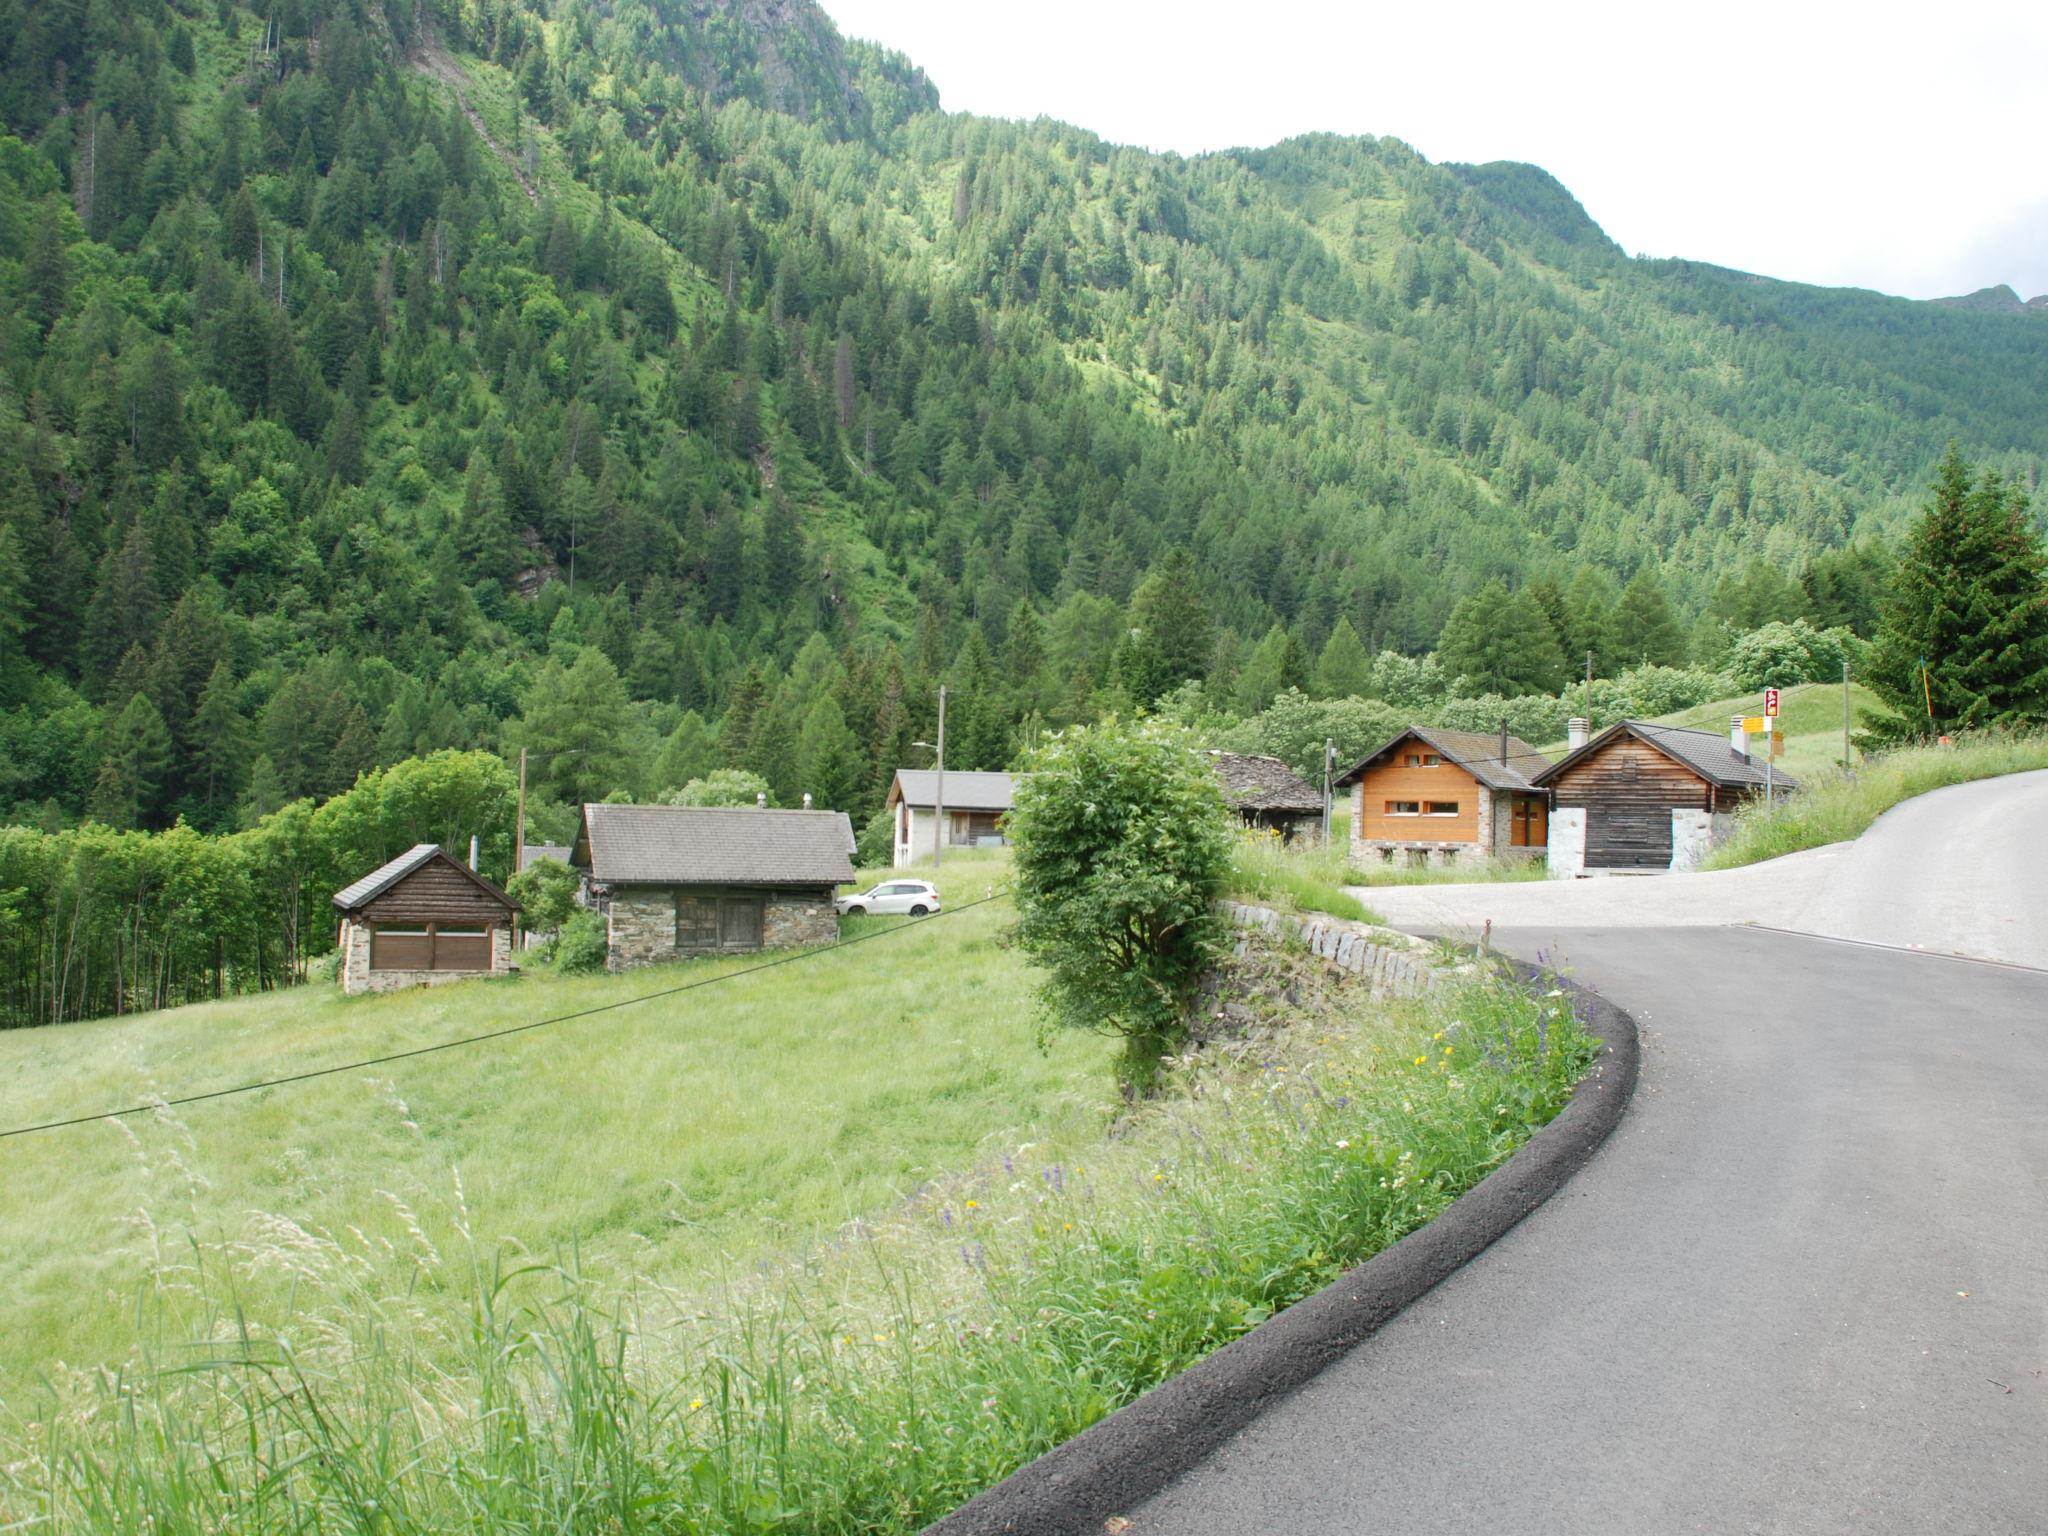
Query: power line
<point>495,1034</point>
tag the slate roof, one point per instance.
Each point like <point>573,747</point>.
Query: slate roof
<point>1706,753</point>
<point>533,851</point>
<point>1254,783</point>
<point>366,890</point>
<point>964,791</point>
<point>1477,752</point>
<point>709,845</point>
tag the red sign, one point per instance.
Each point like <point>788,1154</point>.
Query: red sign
<point>1771,703</point>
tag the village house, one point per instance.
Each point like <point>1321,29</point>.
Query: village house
<point>1266,794</point>
<point>1640,797</point>
<point>686,880</point>
<point>421,919</point>
<point>1434,796</point>
<point>976,804</point>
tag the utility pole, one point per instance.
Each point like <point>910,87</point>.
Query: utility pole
<point>1845,714</point>
<point>519,836</point>
<point>1589,669</point>
<point>939,789</point>
<point>1329,752</point>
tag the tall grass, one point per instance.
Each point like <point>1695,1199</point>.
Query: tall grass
<point>1833,807</point>
<point>1296,877</point>
<point>870,1386</point>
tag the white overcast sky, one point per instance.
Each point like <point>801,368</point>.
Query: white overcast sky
<point>1868,144</point>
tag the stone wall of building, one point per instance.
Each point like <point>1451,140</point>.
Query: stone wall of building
<point>1692,837</point>
<point>641,923</point>
<point>796,920</point>
<point>640,926</point>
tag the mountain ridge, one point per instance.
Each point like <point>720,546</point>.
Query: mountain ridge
<point>395,391</point>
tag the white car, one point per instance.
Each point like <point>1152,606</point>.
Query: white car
<point>916,897</point>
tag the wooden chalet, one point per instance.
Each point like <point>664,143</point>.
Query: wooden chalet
<point>422,918</point>
<point>1642,797</point>
<point>1265,793</point>
<point>976,804</point>
<point>1439,796</point>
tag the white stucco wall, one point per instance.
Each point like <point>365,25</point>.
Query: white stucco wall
<point>1692,835</point>
<point>1567,848</point>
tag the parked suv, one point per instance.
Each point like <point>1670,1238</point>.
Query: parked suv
<point>916,897</point>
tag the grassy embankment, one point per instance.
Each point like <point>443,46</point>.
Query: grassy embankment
<point>1832,807</point>
<point>599,1276</point>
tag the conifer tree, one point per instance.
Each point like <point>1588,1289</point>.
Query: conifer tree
<point>830,757</point>
<point>1344,670</point>
<point>124,608</point>
<point>220,743</point>
<point>1499,642</point>
<point>1646,632</point>
<point>132,767</point>
<point>1969,603</point>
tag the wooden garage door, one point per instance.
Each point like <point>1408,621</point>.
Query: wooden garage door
<point>1624,836</point>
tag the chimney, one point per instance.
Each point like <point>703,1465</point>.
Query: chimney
<point>760,802</point>
<point>807,799</point>
<point>1578,731</point>
<point>472,853</point>
<point>1503,743</point>
<point>1738,738</point>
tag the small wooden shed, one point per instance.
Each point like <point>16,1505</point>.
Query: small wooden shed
<point>421,919</point>
<point>1644,797</point>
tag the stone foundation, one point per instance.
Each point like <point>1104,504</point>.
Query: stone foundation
<point>1567,842</point>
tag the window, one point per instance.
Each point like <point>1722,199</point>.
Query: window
<point>1440,808</point>
<point>1431,760</point>
<point>1404,808</point>
<point>1412,760</point>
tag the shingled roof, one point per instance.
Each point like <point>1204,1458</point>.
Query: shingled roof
<point>964,791</point>
<point>1477,752</point>
<point>353,898</point>
<point>1254,783</point>
<point>706,845</point>
<point>1706,753</point>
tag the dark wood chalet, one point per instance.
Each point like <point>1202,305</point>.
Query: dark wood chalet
<point>422,918</point>
<point>1651,797</point>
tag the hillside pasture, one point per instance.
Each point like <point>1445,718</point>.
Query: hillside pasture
<point>680,1139</point>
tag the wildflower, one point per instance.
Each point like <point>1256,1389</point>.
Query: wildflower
<point>1343,1146</point>
<point>1420,1060</point>
<point>1158,1178</point>
<point>696,1403</point>
<point>974,1205</point>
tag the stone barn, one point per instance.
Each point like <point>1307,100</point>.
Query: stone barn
<point>1266,793</point>
<point>673,881</point>
<point>423,918</point>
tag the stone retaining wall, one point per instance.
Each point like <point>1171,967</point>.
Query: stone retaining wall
<point>1364,951</point>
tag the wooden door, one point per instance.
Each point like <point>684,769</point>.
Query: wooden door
<point>739,922</point>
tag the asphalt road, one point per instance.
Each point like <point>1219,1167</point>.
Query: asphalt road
<point>1804,1287</point>
<point>1960,870</point>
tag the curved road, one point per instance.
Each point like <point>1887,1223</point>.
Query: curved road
<point>1804,1287</point>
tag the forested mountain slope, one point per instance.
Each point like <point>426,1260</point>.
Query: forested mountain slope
<point>381,377</point>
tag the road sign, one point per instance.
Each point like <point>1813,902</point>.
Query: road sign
<point>1771,702</point>
<point>1758,725</point>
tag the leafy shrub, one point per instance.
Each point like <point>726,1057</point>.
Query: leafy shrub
<point>875,845</point>
<point>546,892</point>
<point>580,947</point>
<point>1294,727</point>
<point>723,786</point>
<point>1779,655</point>
<point>1123,847</point>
